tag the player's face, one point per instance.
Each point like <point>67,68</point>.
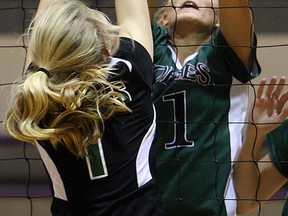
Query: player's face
<point>197,13</point>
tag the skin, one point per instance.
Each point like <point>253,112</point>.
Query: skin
<point>199,20</point>
<point>196,25</point>
<point>269,108</point>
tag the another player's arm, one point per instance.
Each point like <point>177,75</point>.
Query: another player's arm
<point>236,24</point>
<point>133,15</point>
<point>255,187</point>
<point>253,179</point>
<point>246,170</point>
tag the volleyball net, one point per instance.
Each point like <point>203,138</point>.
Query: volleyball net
<point>23,181</point>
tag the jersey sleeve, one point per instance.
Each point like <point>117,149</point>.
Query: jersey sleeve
<point>161,40</point>
<point>139,59</point>
<point>278,143</point>
<point>231,60</point>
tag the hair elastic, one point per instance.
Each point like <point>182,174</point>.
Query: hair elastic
<point>44,71</point>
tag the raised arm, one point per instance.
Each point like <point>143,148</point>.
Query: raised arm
<point>236,25</point>
<point>133,15</point>
<point>267,113</point>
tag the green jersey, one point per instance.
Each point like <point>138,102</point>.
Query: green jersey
<point>201,106</point>
<point>278,143</point>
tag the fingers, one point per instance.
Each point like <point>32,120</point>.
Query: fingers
<point>271,101</point>
<point>261,88</point>
<point>271,86</point>
<point>273,89</point>
<point>279,87</point>
<point>284,97</point>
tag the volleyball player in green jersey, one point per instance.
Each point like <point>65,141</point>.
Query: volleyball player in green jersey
<point>201,102</point>
<point>278,143</point>
<point>268,113</point>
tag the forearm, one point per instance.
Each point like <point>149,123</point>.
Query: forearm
<point>259,182</point>
<point>133,16</point>
<point>246,171</point>
<point>236,24</point>
<point>256,181</point>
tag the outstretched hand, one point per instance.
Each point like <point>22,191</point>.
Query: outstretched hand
<point>267,113</point>
<point>268,110</point>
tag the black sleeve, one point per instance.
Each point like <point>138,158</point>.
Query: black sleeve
<point>137,55</point>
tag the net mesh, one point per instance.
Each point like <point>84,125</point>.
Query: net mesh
<point>22,175</point>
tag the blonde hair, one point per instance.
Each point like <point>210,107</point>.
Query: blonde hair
<point>70,104</point>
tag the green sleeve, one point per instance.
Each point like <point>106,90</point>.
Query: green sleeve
<point>278,144</point>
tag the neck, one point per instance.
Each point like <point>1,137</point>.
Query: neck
<point>187,44</point>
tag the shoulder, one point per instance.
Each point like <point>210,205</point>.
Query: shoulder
<point>131,50</point>
<point>134,60</point>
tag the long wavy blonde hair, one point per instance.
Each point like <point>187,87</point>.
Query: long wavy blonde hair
<point>70,104</point>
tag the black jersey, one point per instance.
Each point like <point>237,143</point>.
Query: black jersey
<point>115,177</point>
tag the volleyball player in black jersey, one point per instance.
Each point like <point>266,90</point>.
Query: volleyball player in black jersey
<point>86,104</point>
